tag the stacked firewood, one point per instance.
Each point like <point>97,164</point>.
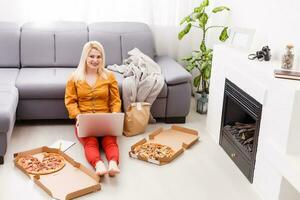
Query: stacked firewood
<point>243,133</point>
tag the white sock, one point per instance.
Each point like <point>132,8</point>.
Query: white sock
<point>100,168</point>
<point>113,168</point>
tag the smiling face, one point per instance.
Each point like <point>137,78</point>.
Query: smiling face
<point>94,60</point>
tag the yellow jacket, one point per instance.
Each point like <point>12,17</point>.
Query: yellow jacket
<point>80,97</point>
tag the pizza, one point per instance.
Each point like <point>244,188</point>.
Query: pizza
<point>153,151</point>
<point>50,163</point>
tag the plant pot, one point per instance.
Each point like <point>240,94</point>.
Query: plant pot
<point>201,102</point>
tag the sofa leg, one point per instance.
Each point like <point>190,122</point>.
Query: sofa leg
<point>1,160</point>
<point>173,120</point>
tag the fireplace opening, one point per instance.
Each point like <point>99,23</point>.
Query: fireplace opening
<point>240,127</point>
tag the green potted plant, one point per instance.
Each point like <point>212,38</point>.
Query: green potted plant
<point>202,59</point>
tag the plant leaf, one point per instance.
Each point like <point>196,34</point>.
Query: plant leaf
<point>224,35</point>
<point>197,81</point>
<point>203,46</point>
<point>186,19</point>
<point>219,9</point>
<point>190,67</point>
<point>204,3</point>
<point>197,55</point>
<point>182,33</point>
<point>207,73</point>
<point>209,51</point>
<point>194,16</point>
<point>209,56</point>
<point>193,59</point>
<point>187,58</point>
<point>203,66</point>
<point>203,19</point>
<point>198,9</point>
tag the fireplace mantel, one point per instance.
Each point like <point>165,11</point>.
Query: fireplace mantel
<point>278,152</point>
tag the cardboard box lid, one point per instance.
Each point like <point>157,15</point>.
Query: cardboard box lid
<point>73,180</point>
<point>177,137</point>
<point>66,181</point>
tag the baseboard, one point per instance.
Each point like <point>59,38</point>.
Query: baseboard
<point>45,121</point>
<point>173,120</point>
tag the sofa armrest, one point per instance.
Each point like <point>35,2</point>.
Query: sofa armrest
<point>173,72</point>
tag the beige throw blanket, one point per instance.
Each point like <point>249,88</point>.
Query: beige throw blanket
<point>143,79</point>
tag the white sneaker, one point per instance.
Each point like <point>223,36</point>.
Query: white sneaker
<point>113,168</point>
<point>101,168</point>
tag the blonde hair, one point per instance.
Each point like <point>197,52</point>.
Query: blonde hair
<point>80,72</point>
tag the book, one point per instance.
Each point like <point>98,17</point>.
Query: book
<point>63,145</point>
<point>287,74</point>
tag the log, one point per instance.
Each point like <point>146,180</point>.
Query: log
<point>247,135</point>
<point>248,141</point>
<point>239,125</point>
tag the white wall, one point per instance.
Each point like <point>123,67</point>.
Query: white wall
<point>277,22</point>
<point>162,15</point>
<point>11,10</point>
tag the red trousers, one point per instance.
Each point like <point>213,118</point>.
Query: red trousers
<point>91,148</point>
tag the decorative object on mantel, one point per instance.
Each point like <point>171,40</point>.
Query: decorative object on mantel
<point>264,54</point>
<point>287,74</point>
<point>201,59</point>
<point>288,57</point>
<point>240,38</point>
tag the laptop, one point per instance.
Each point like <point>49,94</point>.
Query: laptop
<point>100,124</point>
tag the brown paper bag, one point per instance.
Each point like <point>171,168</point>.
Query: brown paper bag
<point>136,118</point>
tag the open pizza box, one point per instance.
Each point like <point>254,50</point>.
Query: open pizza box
<point>177,138</point>
<point>72,181</point>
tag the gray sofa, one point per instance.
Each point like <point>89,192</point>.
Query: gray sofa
<point>36,61</point>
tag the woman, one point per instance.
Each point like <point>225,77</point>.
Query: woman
<point>93,89</point>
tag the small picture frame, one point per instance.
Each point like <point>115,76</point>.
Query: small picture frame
<point>241,38</point>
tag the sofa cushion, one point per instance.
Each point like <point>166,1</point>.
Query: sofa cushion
<point>164,92</point>
<point>37,48</point>
<point>58,44</point>
<point>158,108</point>
<point>42,109</point>
<point>8,76</point>
<point>9,44</point>
<point>8,106</point>
<point>119,78</point>
<point>176,92</point>
<point>141,40</point>
<point>173,72</point>
<point>118,27</point>
<point>120,37</point>
<point>48,83</point>
<point>68,46</point>
<point>111,44</point>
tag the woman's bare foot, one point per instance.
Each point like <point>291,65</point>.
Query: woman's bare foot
<point>113,168</point>
<point>101,168</point>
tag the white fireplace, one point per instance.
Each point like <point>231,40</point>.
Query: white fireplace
<point>277,168</point>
